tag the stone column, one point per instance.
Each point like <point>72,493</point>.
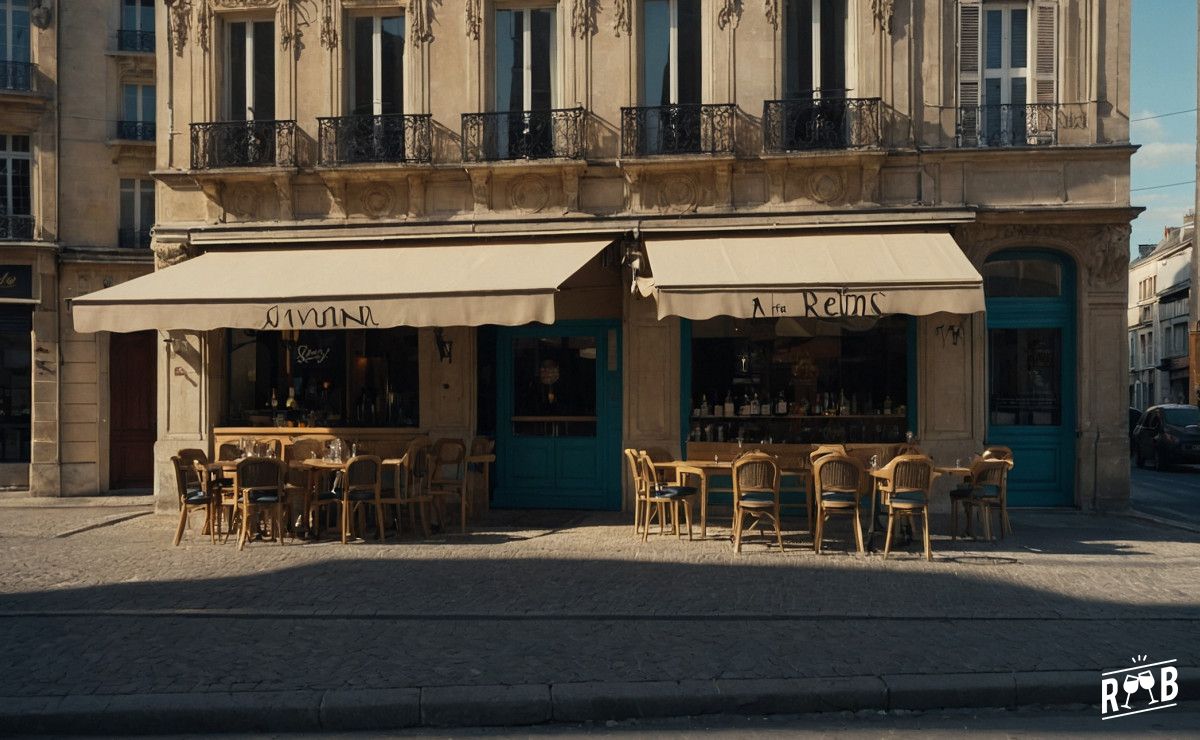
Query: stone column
<point>650,376</point>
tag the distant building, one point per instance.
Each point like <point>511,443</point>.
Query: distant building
<point>1159,281</point>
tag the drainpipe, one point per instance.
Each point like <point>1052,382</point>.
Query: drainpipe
<point>1095,468</point>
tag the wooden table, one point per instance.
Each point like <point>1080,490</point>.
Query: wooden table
<point>710,468</point>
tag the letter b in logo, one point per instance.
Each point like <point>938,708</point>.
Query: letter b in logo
<point>1169,679</point>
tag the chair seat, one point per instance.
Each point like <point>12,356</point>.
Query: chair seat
<point>908,499</point>
<point>986,492</point>
<point>837,497</point>
<point>195,498</point>
<point>759,499</point>
<point>961,491</point>
<point>675,491</point>
<point>264,498</point>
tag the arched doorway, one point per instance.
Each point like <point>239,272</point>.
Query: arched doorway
<point>1031,372</point>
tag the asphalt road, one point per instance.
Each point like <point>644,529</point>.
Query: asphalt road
<point>1173,495</point>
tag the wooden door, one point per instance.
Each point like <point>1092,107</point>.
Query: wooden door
<point>132,409</point>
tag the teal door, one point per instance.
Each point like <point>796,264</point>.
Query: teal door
<point>1031,372</point>
<point>558,416</point>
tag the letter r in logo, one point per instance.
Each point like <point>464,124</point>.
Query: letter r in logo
<point>1108,693</point>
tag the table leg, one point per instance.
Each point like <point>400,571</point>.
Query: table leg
<point>875,526</point>
<point>703,503</point>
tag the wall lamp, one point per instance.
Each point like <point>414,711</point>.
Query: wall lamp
<point>445,347</point>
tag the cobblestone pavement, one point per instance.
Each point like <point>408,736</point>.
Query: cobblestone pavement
<point>561,597</point>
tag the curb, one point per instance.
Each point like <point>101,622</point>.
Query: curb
<point>529,704</point>
<point>1162,521</point>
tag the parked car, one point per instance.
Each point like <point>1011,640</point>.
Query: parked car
<point>1134,417</point>
<point>1166,435</point>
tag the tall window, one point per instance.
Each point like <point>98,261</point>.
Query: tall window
<point>16,204</point>
<point>525,55</point>
<point>137,15</point>
<point>16,323</point>
<point>377,52</point>
<point>137,112</point>
<point>815,49</point>
<point>137,213</point>
<point>14,45</point>
<point>1006,58</point>
<point>250,71</point>
<point>671,52</point>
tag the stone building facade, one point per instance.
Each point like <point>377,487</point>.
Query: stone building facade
<point>76,209</point>
<point>351,124</point>
<point>1160,280</point>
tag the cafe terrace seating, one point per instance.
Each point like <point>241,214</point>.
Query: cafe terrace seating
<point>192,495</point>
<point>838,486</point>
<point>756,494</point>
<point>904,484</point>
<point>260,488</point>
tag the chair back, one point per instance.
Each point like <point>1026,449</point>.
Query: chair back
<point>192,455</point>
<point>998,452</point>
<point>229,451</point>
<point>447,460</point>
<point>260,474</point>
<point>836,473</point>
<point>183,472</point>
<point>907,449</point>
<point>363,473</point>
<point>755,472</point>
<point>990,472</point>
<point>823,450</point>
<point>482,446</point>
<point>304,448</point>
<point>636,477</point>
<point>414,466</point>
<point>193,461</point>
<point>911,473</point>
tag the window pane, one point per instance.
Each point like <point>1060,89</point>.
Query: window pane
<point>689,53</point>
<point>993,49</point>
<point>363,66</point>
<point>15,381</point>
<point>541,46</point>
<point>1017,91</point>
<point>129,102</point>
<point>236,72</point>
<point>146,206</point>
<point>1020,37</point>
<point>833,48</point>
<point>392,63</point>
<point>553,378</point>
<point>18,32</point>
<point>129,14</point>
<point>147,19</point>
<point>798,75</point>
<point>22,204</point>
<point>148,103</point>
<point>510,60</point>
<point>656,45</point>
<point>1022,278</point>
<point>264,70</point>
<point>20,143</point>
<point>1026,376</point>
<point>127,209</point>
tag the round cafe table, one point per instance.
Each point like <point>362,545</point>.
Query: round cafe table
<point>709,468</point>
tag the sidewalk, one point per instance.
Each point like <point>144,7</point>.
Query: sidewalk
<point>565,616</point>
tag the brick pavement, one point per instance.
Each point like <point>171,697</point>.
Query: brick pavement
<point>546,598</point>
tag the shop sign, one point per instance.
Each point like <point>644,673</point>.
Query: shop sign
<point>821,304</point>
<point>319,317</point>
<point>16,281</point>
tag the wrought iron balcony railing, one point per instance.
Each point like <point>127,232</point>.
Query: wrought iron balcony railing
<point>16,76</point>
<point>135,130</point>
<point>133,238</point>
<point>536,134</point>
<point>135,41</point>
<point>385,138</point>
<point>243,144</point>
<point>1019,124</point>
<point>821,123</point>
<point>678,129</point>
<point>16,227</point>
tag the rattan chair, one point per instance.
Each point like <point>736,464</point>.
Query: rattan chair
<point>756,493</point>
<point>839,483</point>
<point>904,486</point>
<point>192,497</point>
<point>229,451</point>
<point>987,492</point>
<point>360,487</point>
<point>662,497</point>
<point>260,487</point>
<point>448,479</point>
<point>997,452</point>
<point>409,482</point>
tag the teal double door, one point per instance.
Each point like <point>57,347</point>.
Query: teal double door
<point>1032,373</point>
<point>558,416</point>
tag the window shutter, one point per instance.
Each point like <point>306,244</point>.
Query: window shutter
<point>969,56</point>
<point>1045,51</point>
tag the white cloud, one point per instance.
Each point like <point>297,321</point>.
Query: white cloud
<point>1164,153</point>
<point>1150,129</point>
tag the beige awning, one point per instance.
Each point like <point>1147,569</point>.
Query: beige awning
<point>811,275</point>
<point>352,288</point>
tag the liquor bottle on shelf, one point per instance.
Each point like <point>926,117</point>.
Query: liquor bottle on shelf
<point>781,405</point>
<point>887,405</point>
<point>843,404</point>
<point>755,405</point>
<point>291,399</point>
<point>744,408</point>
<point>728,409</point>
<point>274,399</point>
<point>816,406</point>
<point>704,407</point>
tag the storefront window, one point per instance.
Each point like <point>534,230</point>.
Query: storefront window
<point>324,378</point>
<point>1022,278</point>
<point>800,380</point>
<point>555,390</point>
<point>1026,376</point>
<point>15,389</point>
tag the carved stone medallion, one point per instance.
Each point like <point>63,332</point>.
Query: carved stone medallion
<point>826,186</point>
<point>377,200</point>
<point>678,193</point>
<point>528,194</point>
<point>244,201</point>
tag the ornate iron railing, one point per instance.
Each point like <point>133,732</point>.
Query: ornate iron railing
<point>135,41</point>
<point>16,227</point>
<point>366,138</point>
<point>16,76</point>
<point>133,238</point>
<point>678,129</point>
<point>135,130</point>
<point>821,123</point>
<point>243,144</point>
<point>1023,124</point>
<point>537,134</point>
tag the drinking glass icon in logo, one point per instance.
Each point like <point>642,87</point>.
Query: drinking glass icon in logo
<point>1133,680</point>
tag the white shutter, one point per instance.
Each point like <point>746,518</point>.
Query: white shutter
<point>1045,51</point>
<point>969,70</point>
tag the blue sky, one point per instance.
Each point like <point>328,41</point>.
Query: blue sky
<point>1164,81</point>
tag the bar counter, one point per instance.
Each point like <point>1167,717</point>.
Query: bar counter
<point>384,442</point>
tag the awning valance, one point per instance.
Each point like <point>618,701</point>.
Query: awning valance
<point>811,275</point>
<point>347,288</point>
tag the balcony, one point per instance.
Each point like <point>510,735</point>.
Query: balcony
<point>677,129</point>
<point>367,139</point>
<point>1016,125</point>
<point>509,135</point>
<point>821,123</point>
<point>133,238</point>
<point>139,41</point>
<point>135,130</point>
<point>243,144</point>
<point>16,227</point>
<point>16,76</point>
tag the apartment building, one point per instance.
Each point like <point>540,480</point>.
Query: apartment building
<point>1159,320</point>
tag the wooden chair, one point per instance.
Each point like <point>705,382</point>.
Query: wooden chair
<point>987,491</point>
<point>826,449</point>
<point>904,487</point>
<point>638,482</point>
<point>480,456</point>
<point>997,452</point>
<point>661,497</point>
<point>409,483</point>
<point>260,487</point>
<point>756,493</point>
<point>192,497</point>
<point>303,483</point>
<point>229,451</point>
<point>448,478</point>
<point>839,483</point>
<point>361,486</point>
